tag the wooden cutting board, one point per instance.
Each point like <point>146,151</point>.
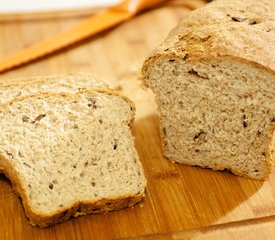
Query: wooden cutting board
<point>178,198</point>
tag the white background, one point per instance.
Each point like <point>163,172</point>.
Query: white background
<point>29,6</point>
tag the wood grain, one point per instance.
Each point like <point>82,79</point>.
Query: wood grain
<point>179,198</point>
<point>258,228</point>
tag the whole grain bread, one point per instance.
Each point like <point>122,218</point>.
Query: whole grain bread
<point>214,80</point>
<point>70,154</point>
<point>68,83</point>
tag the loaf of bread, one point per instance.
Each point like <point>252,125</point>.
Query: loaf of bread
<point>69,83</point>
<point>214,81</point>
<point>70,154</point>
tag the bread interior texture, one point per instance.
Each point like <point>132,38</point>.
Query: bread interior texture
<point>217,114</point>
<point>64,151</point>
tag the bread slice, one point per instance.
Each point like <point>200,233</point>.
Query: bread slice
<point>70,154</point>
<point>214,80</point>
<point>69,83</point>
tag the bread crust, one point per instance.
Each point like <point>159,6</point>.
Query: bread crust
<point>78,208</point>
<point>44,79</point>
<point>108,91</point>
<point>210,33</point>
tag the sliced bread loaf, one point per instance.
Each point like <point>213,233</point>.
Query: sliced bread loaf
<point>69,83</point>
<point>70,154</point>
<point>214,80</point>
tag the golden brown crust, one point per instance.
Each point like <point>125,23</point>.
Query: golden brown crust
<point>236,29</point>
<point>83,208</point>
<point>78,208</point>
<point>270,148</point>
<point>212,32</point>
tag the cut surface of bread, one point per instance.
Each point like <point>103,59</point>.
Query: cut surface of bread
<point>70,154</point>
<point>214,80</point>
<point>69,83</point>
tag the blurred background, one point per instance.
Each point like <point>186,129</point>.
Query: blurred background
<point>33,8</point>
<point>28,6</point>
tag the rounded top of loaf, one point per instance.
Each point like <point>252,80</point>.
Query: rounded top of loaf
<point>243,30</point>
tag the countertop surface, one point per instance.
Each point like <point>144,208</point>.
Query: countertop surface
<point>181,202</point>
